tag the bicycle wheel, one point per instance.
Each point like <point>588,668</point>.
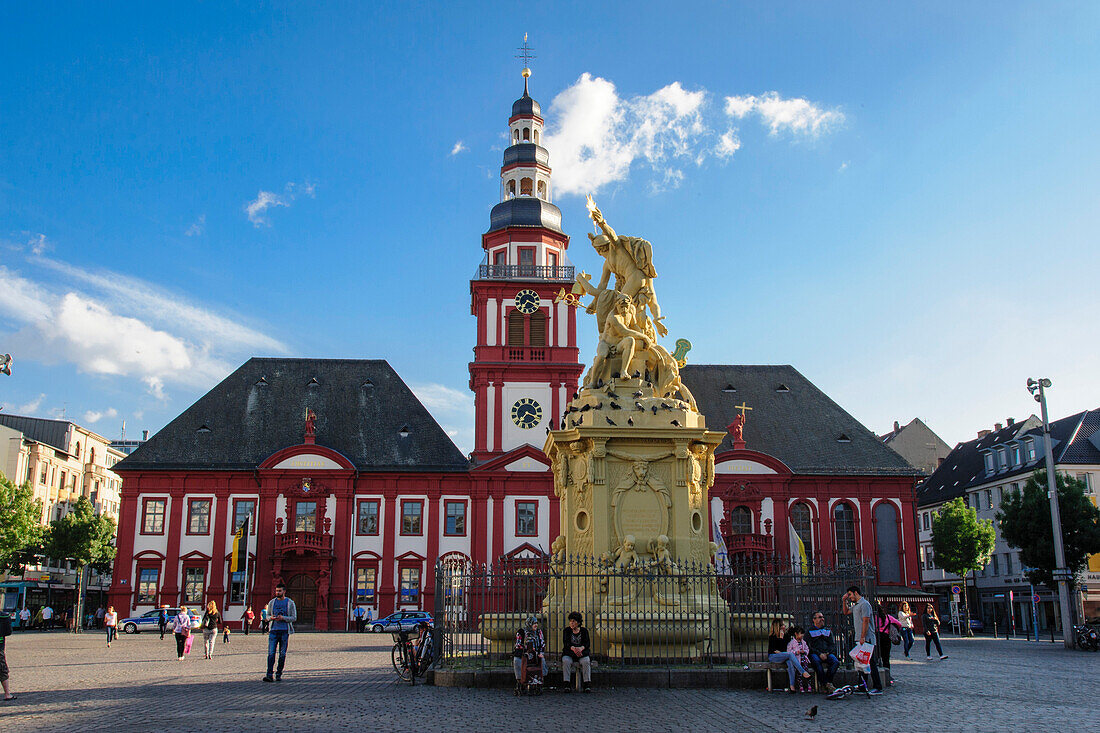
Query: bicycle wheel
<point>399,663</point>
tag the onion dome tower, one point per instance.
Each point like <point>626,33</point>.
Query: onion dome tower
<point>525,364</point>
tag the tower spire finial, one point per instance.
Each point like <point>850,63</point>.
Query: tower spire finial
<point>525,53</point>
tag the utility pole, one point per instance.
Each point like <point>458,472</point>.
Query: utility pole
<point>1038,387</point>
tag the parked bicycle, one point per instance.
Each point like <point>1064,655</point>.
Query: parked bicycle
<point>412,653</point>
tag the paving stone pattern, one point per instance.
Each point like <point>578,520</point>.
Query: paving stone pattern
<point>345,682</point>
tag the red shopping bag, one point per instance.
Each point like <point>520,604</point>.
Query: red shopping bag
<point>187,644</point>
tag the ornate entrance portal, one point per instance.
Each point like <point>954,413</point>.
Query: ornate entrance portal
<point>303,591</point>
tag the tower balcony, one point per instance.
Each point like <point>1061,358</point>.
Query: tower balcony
<point>525,272</point>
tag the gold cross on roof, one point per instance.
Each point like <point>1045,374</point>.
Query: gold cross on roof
<point>742,407</point>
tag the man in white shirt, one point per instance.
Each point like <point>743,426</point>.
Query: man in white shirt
<point>25,618</point>
<point>47,618</point>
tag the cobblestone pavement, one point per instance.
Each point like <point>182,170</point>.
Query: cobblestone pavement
<point>345,681</point>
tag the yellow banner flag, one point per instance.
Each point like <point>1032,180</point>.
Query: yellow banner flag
<point>240,547</point>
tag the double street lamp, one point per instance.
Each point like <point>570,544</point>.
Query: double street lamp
<point>1038,388</point>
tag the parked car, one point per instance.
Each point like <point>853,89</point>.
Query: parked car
<point>401,621</point>
<point>148,621</point>
<point>976,626</point>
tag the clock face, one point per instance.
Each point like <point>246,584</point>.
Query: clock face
<point>527,301</point>
<point>526,413</point>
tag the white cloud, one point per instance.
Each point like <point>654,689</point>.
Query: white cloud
<point>197,227</point>
<point>257,209</point>
<point>39,244</point>
<point>113,325</point>
<point>92,416</point>
<point>458,148</point>
<point>728,144</point>
<point>140,298</point>
<point>27,408</point>
<point>795,115</point>
<point>600,135</point>
<point>452,408</point>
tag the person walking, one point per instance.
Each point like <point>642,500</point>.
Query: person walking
<point>283,613</point>
<point>110,622</point>
<point>905,618</point>
<point>359,614</point>
<point>859,608</point>
<point>24,618</point>
<point>247,618</point>
<point>211,620</point>
<point>100,617</point>
<point>932,631</point>
<point>47,618</point>
<point>883,642</point>
<point>4,671</point>
<point>181,627</point>
<point>263,620</point>
<point>162,620</point>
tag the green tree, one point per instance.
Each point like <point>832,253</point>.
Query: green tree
<point>21,530</point>
<point>962,543</point>
<point>85,538</point>
<point>1025,525</point>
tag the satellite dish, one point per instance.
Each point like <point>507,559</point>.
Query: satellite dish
<point>5,364</point>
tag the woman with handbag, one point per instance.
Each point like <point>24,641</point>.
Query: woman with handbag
<point>211,620</point>
<point>181,627</point>
<point>889,630</point>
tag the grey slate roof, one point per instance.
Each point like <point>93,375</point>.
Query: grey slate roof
<point>964,467</point>
<point>53,433</point>
<point>526,106</point>
<point>525,211</point>
<point>800,426</point>
<point>361,406</point>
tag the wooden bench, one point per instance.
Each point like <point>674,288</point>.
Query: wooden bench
<point>769,667</point>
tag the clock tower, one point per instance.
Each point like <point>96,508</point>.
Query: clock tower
<point>526,363</point>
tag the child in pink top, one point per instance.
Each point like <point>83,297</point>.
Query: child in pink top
<point>798,647</point>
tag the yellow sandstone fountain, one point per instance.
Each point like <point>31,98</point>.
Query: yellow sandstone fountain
<point>633,465</point>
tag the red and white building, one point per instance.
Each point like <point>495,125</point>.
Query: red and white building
<point>356,507</point>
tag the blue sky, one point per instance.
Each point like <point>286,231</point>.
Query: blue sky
<point>899,201</point>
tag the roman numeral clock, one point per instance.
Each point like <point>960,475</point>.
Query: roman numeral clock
<point>526,413</point>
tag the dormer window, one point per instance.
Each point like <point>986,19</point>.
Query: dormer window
<point>1016,454</point>
<point>1002,458</point>
<point>988,462</point>
<point>1029,448</point>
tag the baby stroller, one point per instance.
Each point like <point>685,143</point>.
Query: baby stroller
<point>531,671</point>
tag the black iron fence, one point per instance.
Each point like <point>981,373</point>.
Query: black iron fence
<point>639,611</point>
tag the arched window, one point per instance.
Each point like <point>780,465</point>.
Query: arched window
<point>542,189</point>
<point>844,528</point>
<point>526,186</point>
<point>741,520</point>
<point>511,188</point>
<point>91,456</point>
<point>515,136</point>
<point>515,328</point>
<point>538,328</point>
<point>887,556</point>
<point>536,137</point>
<point>527,133</point>
<point>802,521</point>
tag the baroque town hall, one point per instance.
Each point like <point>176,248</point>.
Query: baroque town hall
<point>355,505</point>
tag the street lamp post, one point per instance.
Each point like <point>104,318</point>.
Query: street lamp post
<point>1038,387</point>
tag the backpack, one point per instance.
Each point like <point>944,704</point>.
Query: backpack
<point>895,635</point>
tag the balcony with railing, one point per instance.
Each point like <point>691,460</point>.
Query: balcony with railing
<point>299,543</point>
<point>525,272</point>
<point>742,544</point>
